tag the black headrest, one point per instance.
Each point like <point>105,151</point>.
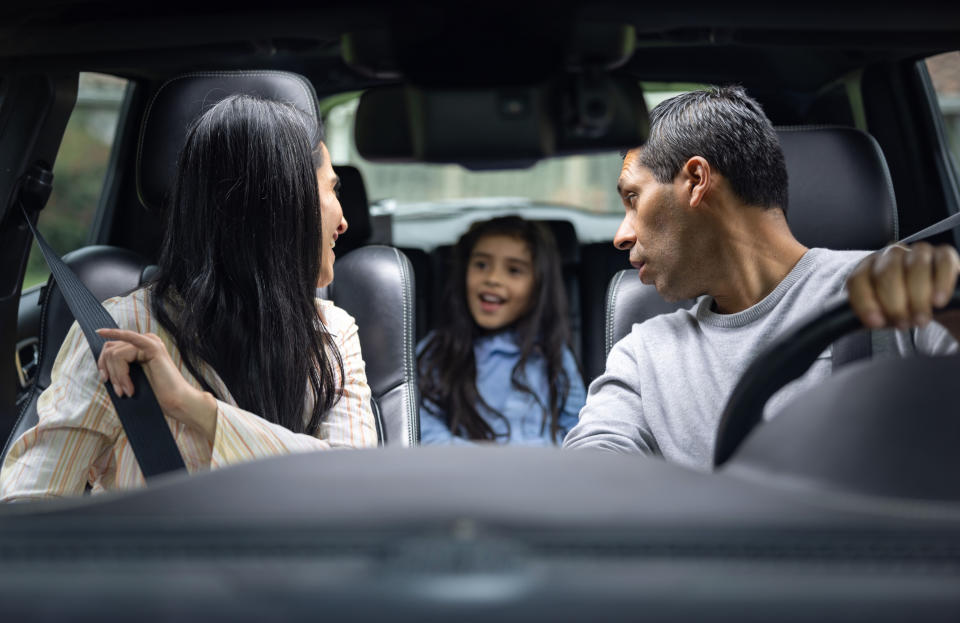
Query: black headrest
<point>565,235</point>
<point>841,195</point>
<point>179,101</point>
<point>356,208</point>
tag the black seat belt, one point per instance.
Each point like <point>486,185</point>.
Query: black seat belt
<point>140,415</point>
<point>858,345</point>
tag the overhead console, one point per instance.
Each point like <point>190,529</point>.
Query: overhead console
<point>531,95</point>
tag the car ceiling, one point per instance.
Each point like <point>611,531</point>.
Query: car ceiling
<point>800,47</point>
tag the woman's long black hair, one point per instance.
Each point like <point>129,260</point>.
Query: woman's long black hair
<point>240,260</point>
<point>446,365</point>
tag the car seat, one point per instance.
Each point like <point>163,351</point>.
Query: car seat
<point>840,197</point>
<point>375,285</point>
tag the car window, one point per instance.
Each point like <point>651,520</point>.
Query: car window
<point>432,204</point>
<point>944,70</point>
<point>79,170</point>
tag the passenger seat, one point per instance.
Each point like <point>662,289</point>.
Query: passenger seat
<point>107,272</point>
<point>599,262</point>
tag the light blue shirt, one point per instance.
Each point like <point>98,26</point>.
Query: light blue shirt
<point>496,355</point>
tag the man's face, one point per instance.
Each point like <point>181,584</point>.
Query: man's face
<point>655,229</point>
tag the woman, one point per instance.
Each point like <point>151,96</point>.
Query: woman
<point>229,327</point>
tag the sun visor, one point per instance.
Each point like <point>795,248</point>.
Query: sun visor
<point>500,126</point>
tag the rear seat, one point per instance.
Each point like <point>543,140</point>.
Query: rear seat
<point>569,248</point>
<point>599,262</point>
<point>423,276</point>
<point>356,209</point>
<point>587,270</point>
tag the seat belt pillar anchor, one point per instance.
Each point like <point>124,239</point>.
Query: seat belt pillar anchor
<point>35,188</point>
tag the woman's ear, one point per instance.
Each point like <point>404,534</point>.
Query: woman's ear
<point>696,177</point>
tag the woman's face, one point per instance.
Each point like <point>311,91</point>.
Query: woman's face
<point>331,215</point>
<point>500,281</point>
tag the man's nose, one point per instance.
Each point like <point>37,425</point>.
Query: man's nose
<point>625,237</point>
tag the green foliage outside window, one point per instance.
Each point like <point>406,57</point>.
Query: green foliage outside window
<point>79,171</point>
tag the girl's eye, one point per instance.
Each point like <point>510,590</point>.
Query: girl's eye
<point>479,264</point>
<point>337,188</point>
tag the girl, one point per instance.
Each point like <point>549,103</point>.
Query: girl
<point>229,328</point>
<point>499,368</point>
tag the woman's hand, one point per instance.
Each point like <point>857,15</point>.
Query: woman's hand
<point>177,398</point>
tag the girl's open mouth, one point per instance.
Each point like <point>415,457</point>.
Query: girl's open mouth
<point>491,302</point>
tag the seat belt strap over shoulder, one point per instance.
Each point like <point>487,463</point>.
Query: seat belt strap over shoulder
<point>140,415</point>
<point>937,228</point>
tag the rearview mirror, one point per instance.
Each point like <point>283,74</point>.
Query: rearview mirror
<point>505,126</point>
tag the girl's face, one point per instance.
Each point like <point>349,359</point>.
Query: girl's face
<point>500,281</point>
<point>331,216</point>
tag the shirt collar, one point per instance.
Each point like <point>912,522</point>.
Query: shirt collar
<point>502,342</point>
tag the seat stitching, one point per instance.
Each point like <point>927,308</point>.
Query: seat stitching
<point>412,428</point>
<point>612,295</point>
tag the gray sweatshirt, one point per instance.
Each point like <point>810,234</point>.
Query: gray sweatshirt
<point>666,383</point>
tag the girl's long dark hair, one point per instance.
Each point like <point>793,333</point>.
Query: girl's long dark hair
<point>446,365</point>
<point>240,260</point>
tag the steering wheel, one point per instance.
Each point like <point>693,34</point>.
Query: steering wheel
<point>786,359</point>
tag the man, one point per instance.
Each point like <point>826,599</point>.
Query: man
<point>704,200</point>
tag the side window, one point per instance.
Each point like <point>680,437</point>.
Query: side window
<point>944,70</point>
<point>79,171</point>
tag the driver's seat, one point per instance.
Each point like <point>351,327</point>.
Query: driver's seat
<point>840,197</point>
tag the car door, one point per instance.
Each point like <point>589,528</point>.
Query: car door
<point>72,216</point>
<point>34,109</point>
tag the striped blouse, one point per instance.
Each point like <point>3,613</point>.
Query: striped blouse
<point>79,439</point>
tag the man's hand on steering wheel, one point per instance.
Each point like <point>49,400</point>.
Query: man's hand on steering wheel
<point>901,285</point>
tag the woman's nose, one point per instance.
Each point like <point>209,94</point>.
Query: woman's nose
<point>342,227</point>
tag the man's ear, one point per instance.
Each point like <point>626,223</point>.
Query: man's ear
<point>696,176</point>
